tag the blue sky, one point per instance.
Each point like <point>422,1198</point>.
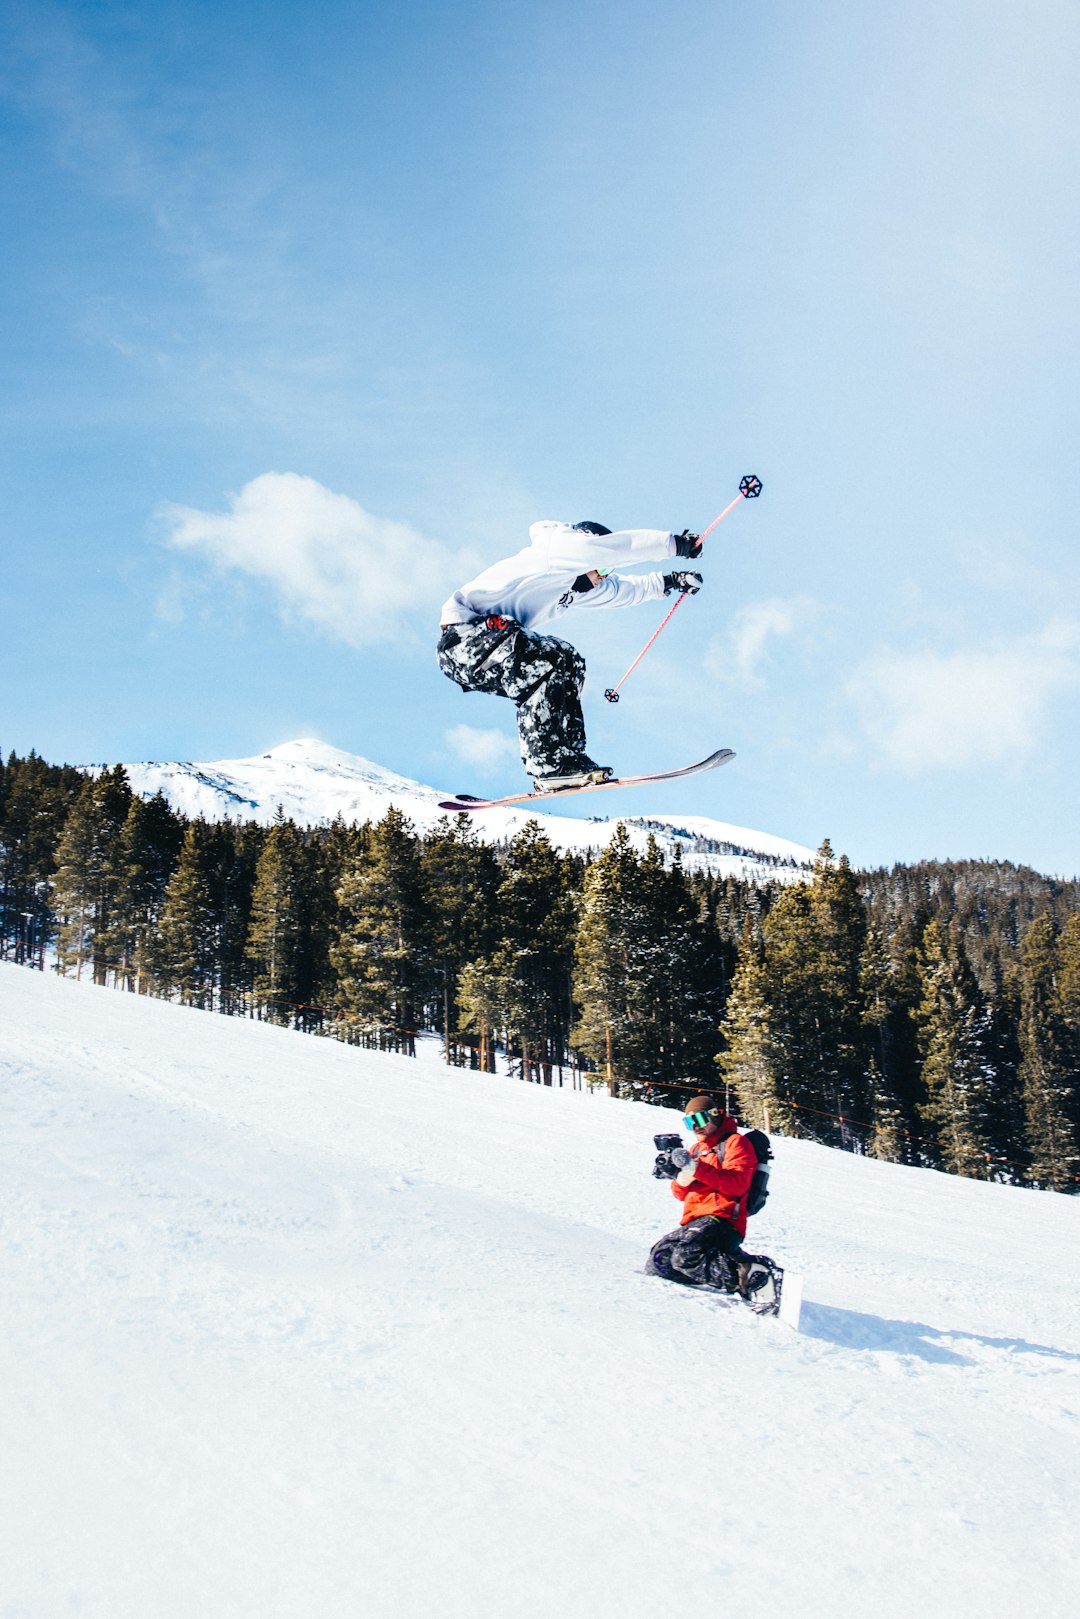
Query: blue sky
<point>306,316</point>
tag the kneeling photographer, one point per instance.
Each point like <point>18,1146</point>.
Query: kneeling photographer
<point>713,1186</point>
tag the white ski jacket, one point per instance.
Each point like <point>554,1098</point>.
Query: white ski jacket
<point>536,584</point>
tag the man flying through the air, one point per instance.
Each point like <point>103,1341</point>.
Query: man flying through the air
<point>487,642</point>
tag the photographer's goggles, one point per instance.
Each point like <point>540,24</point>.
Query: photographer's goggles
<point>698,1121</point>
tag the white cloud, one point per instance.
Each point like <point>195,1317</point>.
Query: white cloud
<point>486,750</point>
<point>738,658</point>
<point>976,706</point>
<point>362,579</point>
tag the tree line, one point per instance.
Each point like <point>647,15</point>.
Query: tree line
<point>928,1014</point>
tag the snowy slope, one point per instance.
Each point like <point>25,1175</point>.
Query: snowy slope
<point>313,782</point>
<point>293,1329</point>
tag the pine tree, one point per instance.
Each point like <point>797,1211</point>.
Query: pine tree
<point>1006,1122</point>
<point>278,939</point>
<point>230,858</point>
<point>1069,980</point>
<point>605,938</point>
<point>648,974</point>
<point>481,1004</point>
<point>1047,1065</point>
<point>749,1062</point>
<point>184,952</point>
<point>533,960</point>
<point>888,1139</point>
<point>955,1076</point>
<point>459,877</point>
<point>150,841</point>
<point>329,853</point>
<point>89,873</point>
<point>678,978</point>
<point>880,994</point>
<point>840,930</point>
<point>380,953</point>
<point>814,936</point>
<point>35,802</point>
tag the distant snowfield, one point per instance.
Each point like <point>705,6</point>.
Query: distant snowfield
<point>312,783</point>
<point>292,1329</point>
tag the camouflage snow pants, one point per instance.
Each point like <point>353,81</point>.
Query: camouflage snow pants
<point>539,673</point>
<point>699,1253</point>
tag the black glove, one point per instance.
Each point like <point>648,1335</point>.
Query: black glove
<point>688,583</point>
<point>687,545</point>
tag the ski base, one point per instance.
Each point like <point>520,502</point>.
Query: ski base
<point>464,803</point>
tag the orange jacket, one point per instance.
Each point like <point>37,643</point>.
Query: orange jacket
<point>723,1171</point>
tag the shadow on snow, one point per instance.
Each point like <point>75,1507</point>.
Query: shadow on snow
<point>851,1329</point>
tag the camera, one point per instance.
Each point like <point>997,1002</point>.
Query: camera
<point>671,1156</point>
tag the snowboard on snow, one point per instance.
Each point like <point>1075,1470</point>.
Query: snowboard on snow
<point>781,1296</point>
<point>789,1304</point>
<point>466,802</point>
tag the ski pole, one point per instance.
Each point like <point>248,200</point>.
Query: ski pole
<point>749,489</point>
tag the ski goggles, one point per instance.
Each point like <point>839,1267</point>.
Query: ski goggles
<point>698,1121</point>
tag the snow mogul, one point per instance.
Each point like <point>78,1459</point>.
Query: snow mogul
<point>718,1183</point>
<point>487,642</point>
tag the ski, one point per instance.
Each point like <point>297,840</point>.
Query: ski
<point>464,803</point>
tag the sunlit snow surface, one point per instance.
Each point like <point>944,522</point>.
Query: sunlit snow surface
<point>295,1330</point>
<point>312,783</point>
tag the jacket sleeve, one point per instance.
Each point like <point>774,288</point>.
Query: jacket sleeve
<point>623,590</point>
<point>566,547</point>
<point>740,1162</point>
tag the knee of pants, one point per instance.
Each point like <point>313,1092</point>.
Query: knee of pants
<point>568,673</point>
<point>687,1256</point>
<point>576,668</point>
<point>564,659</point>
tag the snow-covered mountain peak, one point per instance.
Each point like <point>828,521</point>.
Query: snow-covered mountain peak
<point>313,783</point>
<point>310,756</point>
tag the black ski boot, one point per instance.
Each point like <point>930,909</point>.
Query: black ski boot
<point>579,772</point>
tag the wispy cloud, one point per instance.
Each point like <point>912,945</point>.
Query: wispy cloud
<point>739,658</point>
<point>980,705</point>
<point>331,563</point>
<point>486,750</point>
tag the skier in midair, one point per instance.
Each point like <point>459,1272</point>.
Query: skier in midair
<point>487,641</point>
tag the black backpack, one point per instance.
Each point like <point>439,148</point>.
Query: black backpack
<point>759,1186</point>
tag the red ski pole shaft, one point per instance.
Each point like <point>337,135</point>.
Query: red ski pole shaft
<point>749,487</point>
<point>612,694</point>
<point>730,507</point>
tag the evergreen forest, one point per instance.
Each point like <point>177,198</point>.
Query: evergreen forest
<point>928,1014</point>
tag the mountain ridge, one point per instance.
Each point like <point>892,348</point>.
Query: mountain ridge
<point>312,783</point>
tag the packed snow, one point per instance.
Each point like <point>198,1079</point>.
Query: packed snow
<point>296,1329</point>
<point>312,783</point>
